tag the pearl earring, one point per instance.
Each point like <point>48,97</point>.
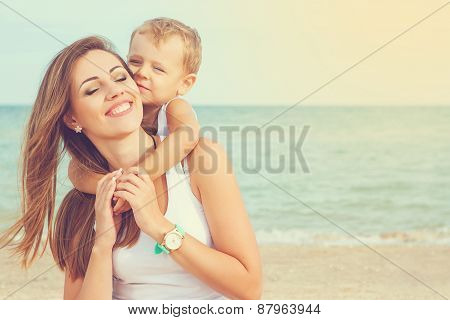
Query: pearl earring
<point>78,129</point>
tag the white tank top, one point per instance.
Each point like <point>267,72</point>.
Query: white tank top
<point>162,118</point>
<point>140,274</point>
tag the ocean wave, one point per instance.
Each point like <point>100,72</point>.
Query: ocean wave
<point>439,236</point>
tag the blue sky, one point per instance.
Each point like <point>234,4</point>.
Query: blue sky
<point>255,52</point>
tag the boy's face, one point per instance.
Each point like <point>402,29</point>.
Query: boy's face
<point>158,70</point>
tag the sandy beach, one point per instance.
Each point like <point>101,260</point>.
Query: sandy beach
<point>293,272</point>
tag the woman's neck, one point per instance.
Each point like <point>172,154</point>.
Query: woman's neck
<point>126,151</point>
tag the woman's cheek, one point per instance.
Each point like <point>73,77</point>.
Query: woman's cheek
<point>132,85</point>
<point>96,103</point>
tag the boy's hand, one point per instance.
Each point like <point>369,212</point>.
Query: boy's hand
<point>138,189</point>
<point>121,206</point>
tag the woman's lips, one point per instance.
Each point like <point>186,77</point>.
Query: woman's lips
<point>120,114</point>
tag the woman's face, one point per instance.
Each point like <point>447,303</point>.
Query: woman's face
<point>105,101</point>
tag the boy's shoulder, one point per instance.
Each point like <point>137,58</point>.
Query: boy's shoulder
<point>178,102</point>
<point>179,106</point>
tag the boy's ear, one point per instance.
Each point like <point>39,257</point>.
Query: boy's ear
<point>187,83</point>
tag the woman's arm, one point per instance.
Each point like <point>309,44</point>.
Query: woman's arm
<point>233,267</point>
<point>97,283</point>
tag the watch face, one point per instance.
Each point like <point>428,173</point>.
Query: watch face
<point>173,241</point>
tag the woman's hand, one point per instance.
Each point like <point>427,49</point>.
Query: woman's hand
<point>106,224</point>
<point>138,190</point>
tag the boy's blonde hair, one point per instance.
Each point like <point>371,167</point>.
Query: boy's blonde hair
<point>162,28</point>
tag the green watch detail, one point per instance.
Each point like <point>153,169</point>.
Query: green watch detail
<point>180,229</point>
<point>161,248</point>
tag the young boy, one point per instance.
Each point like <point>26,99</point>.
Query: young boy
<point>164,56</point>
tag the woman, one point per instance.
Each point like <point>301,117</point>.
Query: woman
<point>94,246</point>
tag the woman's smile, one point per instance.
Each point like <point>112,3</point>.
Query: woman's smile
<point>120,110</point>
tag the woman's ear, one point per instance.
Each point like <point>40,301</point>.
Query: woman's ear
<point>187,83</point>
<point>69,120</point>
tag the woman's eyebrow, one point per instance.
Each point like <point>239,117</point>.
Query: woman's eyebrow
<point>95,78</point>
<point>114,68</point>
<point>88,79</point>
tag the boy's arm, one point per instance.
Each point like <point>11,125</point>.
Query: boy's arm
<point>184,132</point>
<point>84,181</point>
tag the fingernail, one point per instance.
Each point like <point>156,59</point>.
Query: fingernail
<point>113,179</point>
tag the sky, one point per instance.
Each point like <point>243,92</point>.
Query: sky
<point>255,53</point>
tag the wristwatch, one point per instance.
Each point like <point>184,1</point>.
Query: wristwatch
<point>172,241</point>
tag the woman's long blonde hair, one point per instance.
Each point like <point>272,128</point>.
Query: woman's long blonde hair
<point>46,140</point>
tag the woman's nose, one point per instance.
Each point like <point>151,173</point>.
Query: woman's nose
<point>115,90</point>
